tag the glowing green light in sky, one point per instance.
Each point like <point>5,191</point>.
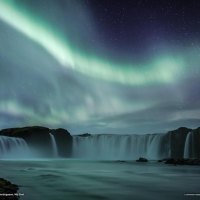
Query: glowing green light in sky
<point>162,70</point>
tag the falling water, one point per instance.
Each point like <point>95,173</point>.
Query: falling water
<point>12,147</point>
<point>187,147</point>
<point>54,145</point>
<point>112,147</point>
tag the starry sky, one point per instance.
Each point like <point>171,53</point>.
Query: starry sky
<point>100,66</point>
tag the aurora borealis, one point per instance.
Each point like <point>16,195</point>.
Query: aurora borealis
<point>100,66</point>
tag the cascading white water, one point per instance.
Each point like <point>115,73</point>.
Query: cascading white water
<point>188,145</point>
<point>54,145</point>
<point>112,147</point>
<point>13,148</point>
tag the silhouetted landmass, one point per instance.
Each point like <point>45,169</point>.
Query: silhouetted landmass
<point>178,141</point>
<point>8,190</point>
<point>85,135</point>
<point>141,159</point>
<point>180,161</point>
<point>39,138</point>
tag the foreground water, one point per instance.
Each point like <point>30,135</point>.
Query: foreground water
<point>90,180</point>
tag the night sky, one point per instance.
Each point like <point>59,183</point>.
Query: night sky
<point>100,66</point>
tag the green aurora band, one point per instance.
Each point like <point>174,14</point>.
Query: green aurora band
<point>163,69</point>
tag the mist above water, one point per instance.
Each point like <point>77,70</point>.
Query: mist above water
<point>13,148</point>
<point>125,147</point>
<point>100,147</point>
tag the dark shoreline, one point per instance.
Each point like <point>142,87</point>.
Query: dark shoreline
<point>8,190</point>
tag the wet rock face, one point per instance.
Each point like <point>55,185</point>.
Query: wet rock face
<point>196,143</point>
<point>8,190</point>
<point>141,159</point>
<point>177,141</point>
<point>63,141</point>
<point>31,135</point>
<point>38,138</point>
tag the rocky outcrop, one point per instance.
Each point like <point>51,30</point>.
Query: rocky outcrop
<point>181,161</point>
<point>8,190</point>
<point>64,142</point>
<point>178,143</point>
<point>141,159</point>
<point>38,138</point>
<point>195,143</point>
<point>85,135</point>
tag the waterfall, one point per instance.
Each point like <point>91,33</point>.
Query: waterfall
<point>126,147</point>
<point>12,147</point>
<point>54,145</point>
<point>188,145</point>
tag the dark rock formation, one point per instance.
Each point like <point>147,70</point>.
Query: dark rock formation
<point>8,190</point>
<point>38,138</point>
<point>63,141</point>
<point>121,161</point>
<point>85,135</point>
<point>195,151</point>
<point>142,160</point>
<point>177,141</point>
<point>170,161</point>
<point>181,161</point>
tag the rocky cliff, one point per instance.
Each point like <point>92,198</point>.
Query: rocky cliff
<point>180,143</point>
<point>184,142</point>
<point>38,138</point>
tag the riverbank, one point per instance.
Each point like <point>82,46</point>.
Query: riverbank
<point>8,191</point>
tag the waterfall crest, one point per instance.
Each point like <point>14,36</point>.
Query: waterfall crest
<point>54,145</point>
<point>112,147</point>
<point>188,145</point>
<point>12,147</point>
